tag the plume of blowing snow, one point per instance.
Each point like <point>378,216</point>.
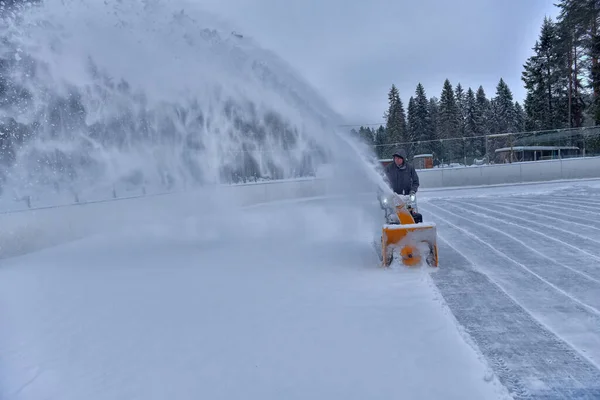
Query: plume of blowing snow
<point>149,93</point>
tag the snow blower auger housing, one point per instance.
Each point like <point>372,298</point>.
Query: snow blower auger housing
<point>404,235</point>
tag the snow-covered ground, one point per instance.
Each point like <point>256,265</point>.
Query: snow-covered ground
<point>287,301</point>
<point>521,273</point>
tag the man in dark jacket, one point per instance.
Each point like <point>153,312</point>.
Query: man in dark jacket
<point>402,176</point>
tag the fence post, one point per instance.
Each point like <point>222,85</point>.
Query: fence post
<point>487,150</point>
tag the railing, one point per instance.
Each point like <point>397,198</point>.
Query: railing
<point>459,152</point>
<point>31,229</point>
<point>25,202</point>
<point>504,147</point>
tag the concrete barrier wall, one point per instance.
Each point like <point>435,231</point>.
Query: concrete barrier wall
<point>28,230</point>
<point>538,171</point>
<point>31,229</point>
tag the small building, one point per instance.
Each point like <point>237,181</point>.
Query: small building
<point>423,161</point>
<point>534,153</point>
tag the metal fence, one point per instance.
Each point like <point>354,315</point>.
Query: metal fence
<point>47,195</point>
<point>464,151</point>
<point>503,148</point>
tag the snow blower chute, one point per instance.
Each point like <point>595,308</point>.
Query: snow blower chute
<point>404,235</point>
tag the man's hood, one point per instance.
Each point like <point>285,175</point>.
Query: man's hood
<point>401,153</point>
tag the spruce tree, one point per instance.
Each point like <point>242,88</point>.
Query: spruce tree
<point>520,117</point>
<point>424,131</point>
<point>380,140</point>
<point>482,115</point>
<point>503,117</point>
<point>470,106</point>
<point>412,127</point>
<point>433,109</point>
<point>546,79</point>
<point>367,135</point>
<point>473,144</point>
<point>504,112</point>
<point>395,121</point>
<point>449,125</point>
<point>531,113</point>
<point>460,96</point>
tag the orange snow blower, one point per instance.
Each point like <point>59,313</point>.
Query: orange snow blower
<point>404,235</point>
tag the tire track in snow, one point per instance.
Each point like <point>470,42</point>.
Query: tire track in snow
<point>575,227</point>
<point>558,311</point>
<point>519,349</point>
<point>567,209</point>
<point>550,272</point>
<point>574,205</point>
<point>584,264</point>
<point>540,210</point>
<point>579,200</point>
<point>586,245</point>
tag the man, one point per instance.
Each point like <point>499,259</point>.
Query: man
<point>402,176</point>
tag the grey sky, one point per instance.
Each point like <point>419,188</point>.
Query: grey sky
<point>352,51</point>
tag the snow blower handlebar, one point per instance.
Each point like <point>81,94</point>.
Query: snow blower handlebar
<point>391,202</point>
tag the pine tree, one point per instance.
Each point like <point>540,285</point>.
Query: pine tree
<point>380,140</point>
<point>593,75</point>
<point>470,106</point>
<point>546,79</point>
<point>433,109</point>
<point>483,121</point>
<point>504,111</point>
<point>519,117</point>
<point>396,121</point>
<point>412,126</point>
<point>482,113</point>
<point>503,118</point>
<point>579,21</point>
<point>367,135</point>
<point>460,96</point>
<point>570,44</point>
<point>449,124</point>
<point>533,115</point>
<point>424,131</point>
<point>473,144</point>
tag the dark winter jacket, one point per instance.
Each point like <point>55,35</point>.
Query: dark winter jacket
<point>404,179</point>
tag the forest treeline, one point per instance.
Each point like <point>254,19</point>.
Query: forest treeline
<point>562,82</point>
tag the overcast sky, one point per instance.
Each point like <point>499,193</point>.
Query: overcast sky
<point>353,50</point>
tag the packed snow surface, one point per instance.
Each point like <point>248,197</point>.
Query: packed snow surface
<point>521,273</point>
<point>286,300</point>
<point>276,301</point>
